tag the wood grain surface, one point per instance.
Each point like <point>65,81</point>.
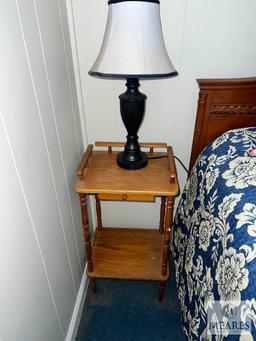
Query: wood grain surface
<point>103,175</point>
<point>126,253</point>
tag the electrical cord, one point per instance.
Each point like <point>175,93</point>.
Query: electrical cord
<point>182,164</point>
<point>175,157</point>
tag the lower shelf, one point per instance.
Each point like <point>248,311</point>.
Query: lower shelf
<point>125,253</point>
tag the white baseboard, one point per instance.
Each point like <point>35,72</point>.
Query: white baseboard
<point>77,312</point>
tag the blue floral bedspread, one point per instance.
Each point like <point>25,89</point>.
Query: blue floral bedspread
<point>214,236</point>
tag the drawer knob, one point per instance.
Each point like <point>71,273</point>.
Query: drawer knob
<point>124,196</point>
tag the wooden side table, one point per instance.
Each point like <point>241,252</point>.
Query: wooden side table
<point>128,253</point>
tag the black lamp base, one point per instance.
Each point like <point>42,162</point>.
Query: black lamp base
<point>132,106</point>
<point>132,165</point>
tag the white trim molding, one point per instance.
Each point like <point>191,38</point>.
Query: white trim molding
<point>77,312</point>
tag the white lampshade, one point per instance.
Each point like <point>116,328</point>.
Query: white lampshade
<point>133,45</point>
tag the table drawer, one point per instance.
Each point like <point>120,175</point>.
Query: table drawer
<point>126,197</point>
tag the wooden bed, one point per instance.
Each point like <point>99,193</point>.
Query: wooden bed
<point>223,104</point>
<point>212,228</point>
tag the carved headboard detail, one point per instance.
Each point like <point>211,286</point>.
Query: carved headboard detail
<point>223,104</point>
<point>231,109</point>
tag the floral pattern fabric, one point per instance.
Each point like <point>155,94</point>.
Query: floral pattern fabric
<point>214,234</point>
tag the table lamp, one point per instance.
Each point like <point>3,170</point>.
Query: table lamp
<point>133,48</point>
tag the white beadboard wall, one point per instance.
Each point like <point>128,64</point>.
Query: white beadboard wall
<point>41,244</point>
<point>205,39</point>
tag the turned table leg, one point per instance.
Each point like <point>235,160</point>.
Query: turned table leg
<point>166,247</point>
<point>162,214</point>
<point>161,290</point>
<point>87,239</point>
<point>167,235</point>
<point>98,212</point>
<point>94,287</point>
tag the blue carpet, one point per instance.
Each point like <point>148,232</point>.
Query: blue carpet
<point>130,311</point>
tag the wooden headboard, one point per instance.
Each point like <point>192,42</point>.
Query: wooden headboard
<point>223,104</point>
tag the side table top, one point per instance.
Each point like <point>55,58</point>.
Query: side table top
<point>99,173</point>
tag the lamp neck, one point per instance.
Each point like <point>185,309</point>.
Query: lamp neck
<point>132,85</point>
